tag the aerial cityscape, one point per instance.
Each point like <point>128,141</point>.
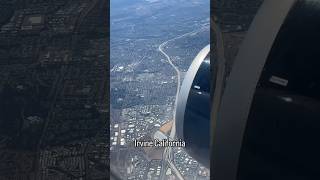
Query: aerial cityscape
<point>152,44</point>
<point>53,89</point>
<point>54,86</point>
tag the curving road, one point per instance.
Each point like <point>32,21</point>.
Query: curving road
<point>167,154</point>
<point>167,150</point>
<point>160,48</point>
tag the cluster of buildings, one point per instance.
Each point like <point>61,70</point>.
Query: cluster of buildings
<point>143,123</point>
<point>53,89</point>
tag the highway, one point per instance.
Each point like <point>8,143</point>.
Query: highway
<point>167,154</point>
<point>160,48</point>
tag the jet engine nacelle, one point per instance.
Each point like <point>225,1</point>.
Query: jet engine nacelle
<point>193,108</point>
<point>267,123</point>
